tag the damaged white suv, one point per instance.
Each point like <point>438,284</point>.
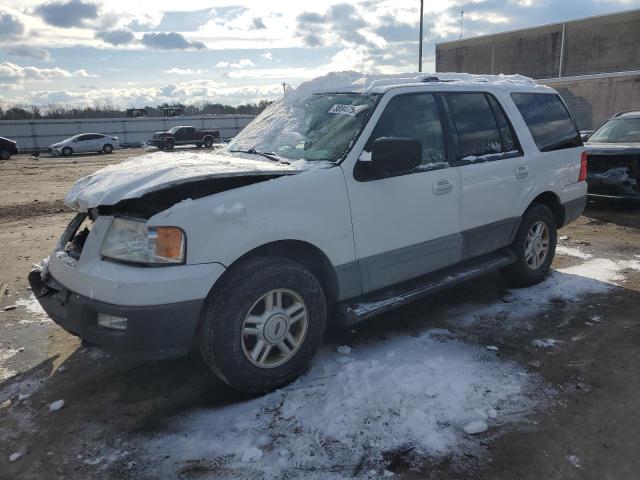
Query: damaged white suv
<point>353,194</point>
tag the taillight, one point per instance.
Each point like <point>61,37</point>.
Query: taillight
<point>583,167</point>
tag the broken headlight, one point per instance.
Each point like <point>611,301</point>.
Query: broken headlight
<point>132,241</point>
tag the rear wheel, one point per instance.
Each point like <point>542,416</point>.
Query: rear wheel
<point>108,148</point>
<point>67,151</point>
<point>535,247</point>
<point>208,142</point>
<point>260,329</point>
<point>5,154</point>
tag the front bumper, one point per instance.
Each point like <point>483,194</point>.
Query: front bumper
<point>158,142</point>
<point>156,331</point>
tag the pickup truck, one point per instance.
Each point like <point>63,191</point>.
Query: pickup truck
<point>184,136</point>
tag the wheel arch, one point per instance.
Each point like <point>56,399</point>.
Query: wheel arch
<point>305,253</point>
<point>552,201</point>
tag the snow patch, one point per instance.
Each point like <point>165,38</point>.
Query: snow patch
<point>475,427</point>
<point>33,307</point>
<point>545,343</point>
<point>572,252</point>
<point>424,396</point>
<point>234,212</point>
<point>55,406</point>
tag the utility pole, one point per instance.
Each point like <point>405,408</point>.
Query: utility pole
<point>284,87</point>
<point>420,42</point>
<point>461,19</point>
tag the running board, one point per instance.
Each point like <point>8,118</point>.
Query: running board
<point>375,303</point>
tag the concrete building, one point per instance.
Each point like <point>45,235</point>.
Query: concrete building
<point>593,62</point>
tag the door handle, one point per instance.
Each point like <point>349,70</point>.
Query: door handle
<point>522,172</point>
<point>442,186</point>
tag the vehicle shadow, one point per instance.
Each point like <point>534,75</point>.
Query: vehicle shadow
<point>626,214</point>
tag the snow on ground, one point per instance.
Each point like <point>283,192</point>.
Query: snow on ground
<point>5,355</point>
<point>430,394</point>
<point>31,306</point>
<point>421,392</point>
<point>572,252</point>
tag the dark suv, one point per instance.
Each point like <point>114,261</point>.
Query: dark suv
<point>614,158</point>
<point>7,148</point>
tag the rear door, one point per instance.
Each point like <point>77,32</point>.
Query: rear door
<point>408,224</point>
<point>494,170</point>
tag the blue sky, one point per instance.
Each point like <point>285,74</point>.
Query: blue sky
<point>135,53</point>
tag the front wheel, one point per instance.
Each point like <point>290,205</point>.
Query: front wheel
<point>67,151</point>
<point>534,246</point>
<point>260,329</point>
<point>169,145</point>
<point>5,154</point>
<point>107,148</point>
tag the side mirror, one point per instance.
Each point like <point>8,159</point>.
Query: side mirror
<point>394,155</point>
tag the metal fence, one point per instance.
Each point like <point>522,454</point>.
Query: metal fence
<point>36,135</point>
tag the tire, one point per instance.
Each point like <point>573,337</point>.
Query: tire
<point>67,151</point>
<point>198,145</point>
<point>108,148</point>
<point>170,144</point>
<point>208,142</point>
<point>242,297</point>
<point>533,268</point>
<point>5,154</point>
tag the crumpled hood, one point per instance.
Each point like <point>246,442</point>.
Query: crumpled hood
<point>140,175</point>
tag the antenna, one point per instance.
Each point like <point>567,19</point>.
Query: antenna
<point>461,19</point>
<point>421,35</point>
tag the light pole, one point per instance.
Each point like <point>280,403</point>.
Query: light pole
<point>420,42</point>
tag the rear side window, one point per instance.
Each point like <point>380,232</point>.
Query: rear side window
<point>549,122</point>
<point>483,130</point>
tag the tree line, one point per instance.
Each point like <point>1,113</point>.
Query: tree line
<point>108,110</point>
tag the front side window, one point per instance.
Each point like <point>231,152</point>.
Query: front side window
<point>549,121</point>
<point>618,130</point>
<point>483,130</point>
<point>413,116</point>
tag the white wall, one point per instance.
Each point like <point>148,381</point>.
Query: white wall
<point>39,134</point>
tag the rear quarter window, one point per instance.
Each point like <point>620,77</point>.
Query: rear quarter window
<point>549,121</point>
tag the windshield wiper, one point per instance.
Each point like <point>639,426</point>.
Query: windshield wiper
<point>271,156</point>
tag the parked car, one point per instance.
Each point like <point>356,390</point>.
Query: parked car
<point>356,201</point>
<point>7,148</point>
<point>613,158</point>
<point>185,136</point>
<point>83,143</point>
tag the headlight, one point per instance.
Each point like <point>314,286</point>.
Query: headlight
<point>132,241</point>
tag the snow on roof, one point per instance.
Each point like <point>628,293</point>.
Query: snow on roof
<point>370,83</point>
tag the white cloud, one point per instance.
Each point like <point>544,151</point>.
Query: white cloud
<point>12,72</point>
<point>184,71</point>
<point>243,63</point>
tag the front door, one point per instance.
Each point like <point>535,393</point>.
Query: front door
<point>408,224</point>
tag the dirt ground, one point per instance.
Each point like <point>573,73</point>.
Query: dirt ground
<point>589,428</point>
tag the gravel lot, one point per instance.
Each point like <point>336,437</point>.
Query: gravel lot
<point>575,337</point>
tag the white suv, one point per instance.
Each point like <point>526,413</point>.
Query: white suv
<point>353,194</point>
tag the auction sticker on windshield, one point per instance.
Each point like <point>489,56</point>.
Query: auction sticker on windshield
<point>352,110</point>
